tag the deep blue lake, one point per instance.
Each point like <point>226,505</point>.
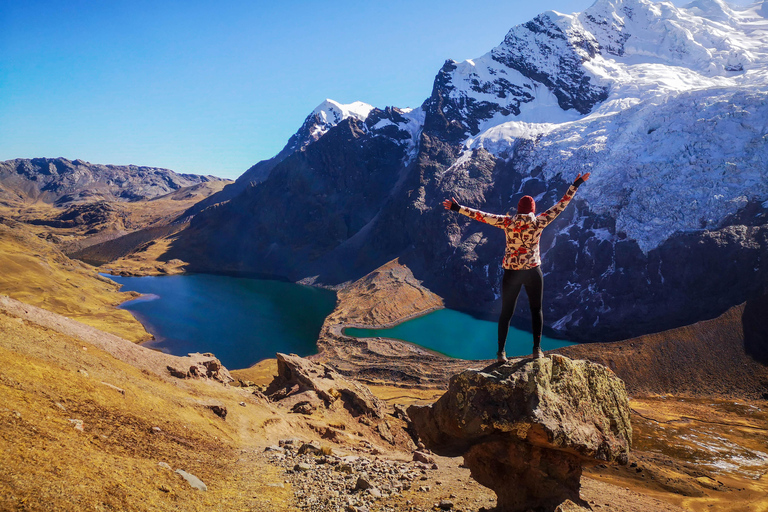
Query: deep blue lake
<point>243,321</point>
<point>460,335</point>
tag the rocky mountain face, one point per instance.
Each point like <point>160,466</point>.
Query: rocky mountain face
<point>62,182</point>
<point>665,106</point>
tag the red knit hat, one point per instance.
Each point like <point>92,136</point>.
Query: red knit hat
<point>526,205</point>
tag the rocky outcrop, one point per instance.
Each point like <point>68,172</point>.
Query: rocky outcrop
<point>307,381</point>
<point>526,428</point>
<point>201,366</point>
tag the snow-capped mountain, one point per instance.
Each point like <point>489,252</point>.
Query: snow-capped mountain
<point>667,108</point>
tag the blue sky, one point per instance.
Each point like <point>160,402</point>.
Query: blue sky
<point>214,87</point>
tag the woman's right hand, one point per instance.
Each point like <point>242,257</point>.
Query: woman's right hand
<point>585,177</point>
<point>448,202</point>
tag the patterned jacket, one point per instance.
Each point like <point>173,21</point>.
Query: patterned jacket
<point>523,231</point>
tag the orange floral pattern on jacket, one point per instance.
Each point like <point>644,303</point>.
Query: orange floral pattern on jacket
<point>523,231</point>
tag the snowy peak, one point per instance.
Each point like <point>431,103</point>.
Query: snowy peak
<point>324,117</point>
<point>559,67</point>
<point>330,113</point>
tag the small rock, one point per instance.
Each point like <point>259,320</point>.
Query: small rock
<point>310,448</point>
<point>111,386</point>
<point>362,484</point>
<point>424,488</point>
<point>242,404</point>
<point>303,408</point>
<point>17,415</point>
<point>164,465</point>
<point>423,457</point>
<point>78,424</point>
<point>302,466</point>
<point>344,468</point>
<point>60,406</point>
<point>445,505</point>
<point>274,448</point>
<point>219,410</point>
<point>83,372</point>
<point>156,430</point>
<point>192,480</point>
<point>374,492</point>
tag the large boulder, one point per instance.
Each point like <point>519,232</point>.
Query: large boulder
<point>527,427</point>
<point>299,376</point>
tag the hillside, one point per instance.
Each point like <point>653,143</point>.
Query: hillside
<point>36,272</point>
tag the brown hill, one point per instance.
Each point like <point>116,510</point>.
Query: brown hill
<point>707,358</point>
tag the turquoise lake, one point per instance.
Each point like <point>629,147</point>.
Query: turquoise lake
<point>243,321</point>
<point>459,335</point>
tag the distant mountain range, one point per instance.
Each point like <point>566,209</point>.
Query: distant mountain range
<point>62,182</point>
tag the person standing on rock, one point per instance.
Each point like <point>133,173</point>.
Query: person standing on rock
<point>522,259</point>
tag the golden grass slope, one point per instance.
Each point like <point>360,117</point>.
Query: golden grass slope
<point>50,383</point>
<point>35,271</point>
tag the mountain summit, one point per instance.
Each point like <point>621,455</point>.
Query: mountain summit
<point>665,106</point>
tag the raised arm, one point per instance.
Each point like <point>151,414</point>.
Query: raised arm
<point>552,213</point>
<point>487,218</point>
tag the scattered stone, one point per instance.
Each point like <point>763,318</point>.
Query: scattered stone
<point>423,457</point>
<point>274,448</point>
<point>219,410</point>
<point>164,465</point>
<point>242,404</point>
<point>17,415</point>
<point>156,430</point>
<point>374,492</point>
<point>60,406</point>
<point>445,505</point>
<point>385,432</point>
<point>302,466</point>
<point>362,484</point>
<point>78,424</point>
<point>192,480</point>
<point>288,442</point>
<point>83,372</point>
<point>303,408</point>
<point>119,390</point>
<point>310,448</point>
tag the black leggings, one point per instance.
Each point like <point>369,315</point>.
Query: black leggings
<point>513,280</point>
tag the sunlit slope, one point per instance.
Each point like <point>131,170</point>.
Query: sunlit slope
<point>35,271</point>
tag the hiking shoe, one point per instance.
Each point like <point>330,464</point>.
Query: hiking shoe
<point>501,357</point>
<point>537,353</point>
